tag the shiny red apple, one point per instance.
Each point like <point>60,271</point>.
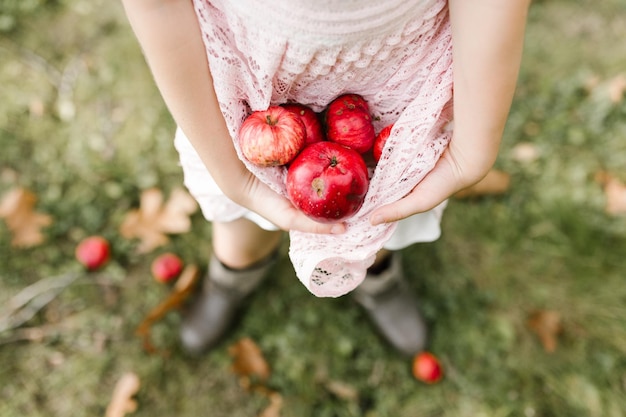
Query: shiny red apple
<point>271,137</point>
<point>312,124</point>
<point>327,181</point>
<point>349,123</point>
<point>380,141</point>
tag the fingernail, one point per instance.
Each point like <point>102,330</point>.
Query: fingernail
<point>337,229</point>
<point>376,219</point>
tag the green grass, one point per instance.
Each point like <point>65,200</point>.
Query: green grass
<point>82,125</point>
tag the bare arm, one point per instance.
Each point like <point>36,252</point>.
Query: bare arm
<point>488,37</point>
<point>169,34</point>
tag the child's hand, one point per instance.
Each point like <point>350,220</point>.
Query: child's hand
<point>463,164</point>
<point>488,40</point>
<point>262,200</point>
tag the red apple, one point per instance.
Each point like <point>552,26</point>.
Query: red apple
<point>272,137</point>
<point>327,181</point>
<point>93,252</point>
<point>379,142</point>
<point>348,122</point>
<point>426,368</point>
<point>166,267</point>
<point>350,101</point>
<point>312,124</point>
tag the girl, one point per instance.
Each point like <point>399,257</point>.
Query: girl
<point>214,61</point>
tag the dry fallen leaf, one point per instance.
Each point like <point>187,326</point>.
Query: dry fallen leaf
<point>275,405</point>
<point>24,223</point>
<point>495,182</point>
<point>253,371</point>
<point>182,289</point>
<point>525,152</point>
<point>615,192</point>
<point>122,401</point>
<point>612,89</point>
<point>342,390</point>
<point>617,88</point>
<point>547,326</point>
<point>248,362</point>
<point>154,220</point>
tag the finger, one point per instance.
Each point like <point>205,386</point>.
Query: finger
<point>287,217</point>
<point>304,224</point>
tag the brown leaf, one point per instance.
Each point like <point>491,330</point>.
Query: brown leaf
<point>253,371</point>
<point>495,182</point>
<point>248,362</point>
<point>615,192</point>
<point>182,289</point>
<point>24,223</point>
<point>122,401</point>
<point>547,326</point>
<point>154,220</point>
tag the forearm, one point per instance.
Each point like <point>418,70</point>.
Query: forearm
<point>168,33</point>
<point>488,37</point>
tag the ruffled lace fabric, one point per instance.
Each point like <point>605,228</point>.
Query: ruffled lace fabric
<point>395,53</point>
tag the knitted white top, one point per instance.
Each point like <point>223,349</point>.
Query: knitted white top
<point>397,54</point>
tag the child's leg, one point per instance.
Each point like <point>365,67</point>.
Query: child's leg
<point>243,254</point>
<point>241,243</point>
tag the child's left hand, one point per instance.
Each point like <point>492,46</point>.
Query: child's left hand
<point>462,165</point>
<point>488,38</point>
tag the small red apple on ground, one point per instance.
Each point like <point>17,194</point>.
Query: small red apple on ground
<point>312,124</point>
<point>426,368</point>
<point>272,137</point>
<point>349,123</point>
<point>327,181</point>
<point>93,252</point>
<point>166,267</point>
<point>379,142</point>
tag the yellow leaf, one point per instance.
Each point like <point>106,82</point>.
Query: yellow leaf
<point>24,223</point>
<point>154,220</point>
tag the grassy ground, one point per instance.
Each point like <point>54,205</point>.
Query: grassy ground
<point>83,127</point>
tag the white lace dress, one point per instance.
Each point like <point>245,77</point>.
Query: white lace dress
<point>397,54</point>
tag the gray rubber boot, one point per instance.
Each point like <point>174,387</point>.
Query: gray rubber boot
<point>213,311</point>
<point>393,308</point>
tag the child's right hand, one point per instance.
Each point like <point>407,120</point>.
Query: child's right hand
<point>259,198</point>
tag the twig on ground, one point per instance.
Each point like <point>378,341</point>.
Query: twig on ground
<point>183,288</point>
<point>29,301</point>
